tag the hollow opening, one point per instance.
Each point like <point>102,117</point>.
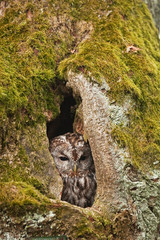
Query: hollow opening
<point>79,188</point>
<point>64,122</point>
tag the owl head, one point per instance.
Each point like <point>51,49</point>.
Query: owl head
<point>72,155</point>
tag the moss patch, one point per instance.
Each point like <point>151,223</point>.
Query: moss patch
<point>82,224</point>
<point>19,197</point>
<point>27,66</point>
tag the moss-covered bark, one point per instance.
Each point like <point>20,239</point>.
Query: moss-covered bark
<point>114,42</point>
<point>124,49</point>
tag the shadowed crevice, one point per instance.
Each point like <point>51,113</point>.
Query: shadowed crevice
<point>64,122</point>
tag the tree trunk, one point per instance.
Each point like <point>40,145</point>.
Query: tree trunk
<point>91,67</point>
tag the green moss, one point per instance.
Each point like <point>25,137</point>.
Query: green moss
<point>82,224</point>
<point>28,63</point>
<point>38,185</point>
<point>128,72</point>
<point>94,227</point>
<point>14,169</point>
<point>19,169</point>
<point>19,197</point>
<point>82,230</point>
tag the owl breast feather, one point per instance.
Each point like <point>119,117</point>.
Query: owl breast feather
<point>79,191</point>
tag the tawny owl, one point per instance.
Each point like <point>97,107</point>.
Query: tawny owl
<point>73,159</point>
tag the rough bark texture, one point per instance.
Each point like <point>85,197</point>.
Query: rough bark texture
<point>60,219</point>
<point>109,160</point>
<point>29,149</point>
<point>121,187</point>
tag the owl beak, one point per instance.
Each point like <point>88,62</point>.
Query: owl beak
<point>75,168</point>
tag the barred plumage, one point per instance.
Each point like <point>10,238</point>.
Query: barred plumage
<point>73,159</point>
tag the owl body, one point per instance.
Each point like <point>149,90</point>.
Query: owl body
<point>73,159</point>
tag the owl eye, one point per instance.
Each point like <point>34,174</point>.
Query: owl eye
<point>64,158</point>
<point>83,157</point>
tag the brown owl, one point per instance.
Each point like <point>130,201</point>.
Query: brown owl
<point>73,159</point>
